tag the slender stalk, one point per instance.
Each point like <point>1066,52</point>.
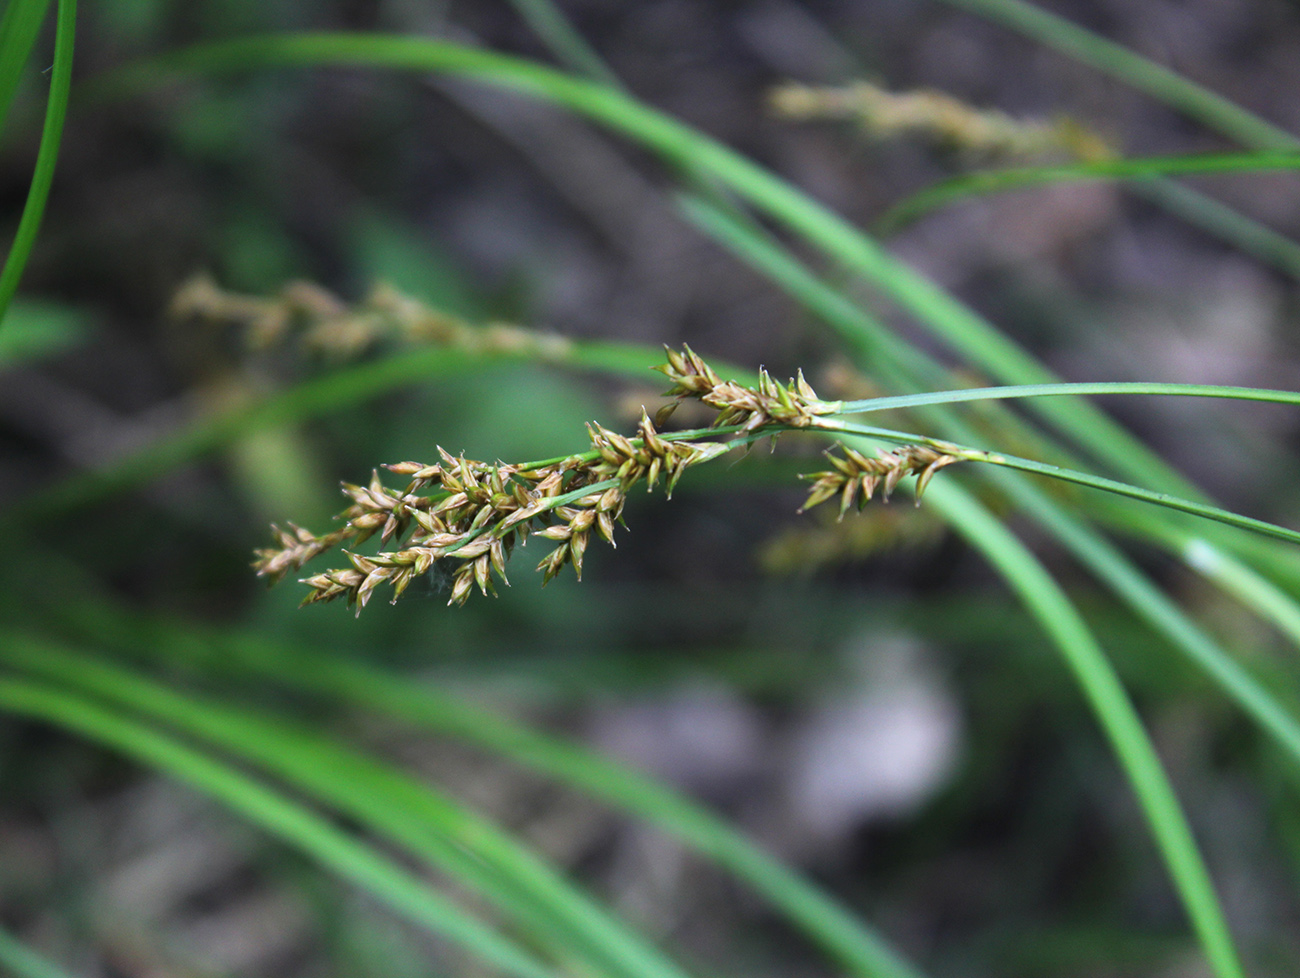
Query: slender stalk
<point>291,822</point>
<point>1119,720</point>
<point>985,182</point>
<point>1056,390</point>
<point>969,454</point>
<point>46,158</point>
<point>382,798</point>
<point>1193,100</point>
<point>20,24</point>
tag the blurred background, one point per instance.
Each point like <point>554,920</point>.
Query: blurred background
<point>864,699</point>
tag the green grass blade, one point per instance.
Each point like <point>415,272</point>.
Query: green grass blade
<point>1223,222</point>
<point>1018,178</point>
<point>249,656</point>
<point>1136,589</point>
<point>43,174</point>
<point>837,931</point>
<point>1080,389</point>
<point>382,799</point>
<point>19,26</point>
<point>967,453</point>
<point>1115,570</point>
<point>292,823</point>
<point>20,961</point>
<point>1180,93</point>
<point>550,24</point>
<point>1102,688</point>
<point>1244,583</point>
<point>326,394</point>
<point>962,328</point>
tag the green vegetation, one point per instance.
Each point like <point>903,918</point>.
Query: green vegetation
<point>131,637</point>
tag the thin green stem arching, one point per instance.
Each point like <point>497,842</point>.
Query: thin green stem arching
<point>956,324</point>
<point>894,403</point>
<point>20,24</point>
<point>46,158</point>
<point>862,333</point>
<point>1166,86</point>
<point>383,799</point>
<point>251,657</point>
<point>986,182</point>
<point>969,454</point>
<point>294,824</point>
<point>1101,687</point>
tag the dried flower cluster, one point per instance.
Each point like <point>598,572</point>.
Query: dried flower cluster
<point>856,477</point>
<point>477,512</point>
<point>794,404</point>
<point>324,323</point>
<point>953,123</point>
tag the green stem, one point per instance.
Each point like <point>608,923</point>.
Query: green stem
<point>1193,100</point>
<point>1015,178</point>
<point>1055,390</point>
<point>46,158</point>
<point>294,823</point>
<point>1104,692</point>
<point>1069,475</point>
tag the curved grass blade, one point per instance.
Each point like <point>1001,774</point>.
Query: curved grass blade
<point>294,824</point>
<point>381,798</point>
<point>987,182</point>
<point>1133,587</point>
<point>326,394</point>
<point>1068,475</point>
<point>1174,90</point>
<point>43,173</point>
<point>17,959</point>
<point>839,932</point>
<point>1218,219</point>
<point>949,319</point>
<point>1056,390</point>
<point>19,26</point>
<point>1119,720</point>
<point>1180,93</point>
<point>558,34</point>
<point>1241,581</point>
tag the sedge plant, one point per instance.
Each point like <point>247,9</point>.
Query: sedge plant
<point>91,664</point>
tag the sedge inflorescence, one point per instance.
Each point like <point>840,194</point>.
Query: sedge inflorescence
<point>856,477</point>
<point>476,513</point>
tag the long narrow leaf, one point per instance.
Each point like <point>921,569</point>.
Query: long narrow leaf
<point>986,182</point>
<point>1130,585</point>
<point>294,824</point>
<point>381,798</point>
<point>19,26</point>
<point>1102,688</point>
<point>43,173</point>
<point>829,924</point>
<point>1162,84</point>
<point>958,325</point>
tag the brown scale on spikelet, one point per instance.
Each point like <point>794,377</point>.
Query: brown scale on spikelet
<point>476,513</point>
<point>856,477</point>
